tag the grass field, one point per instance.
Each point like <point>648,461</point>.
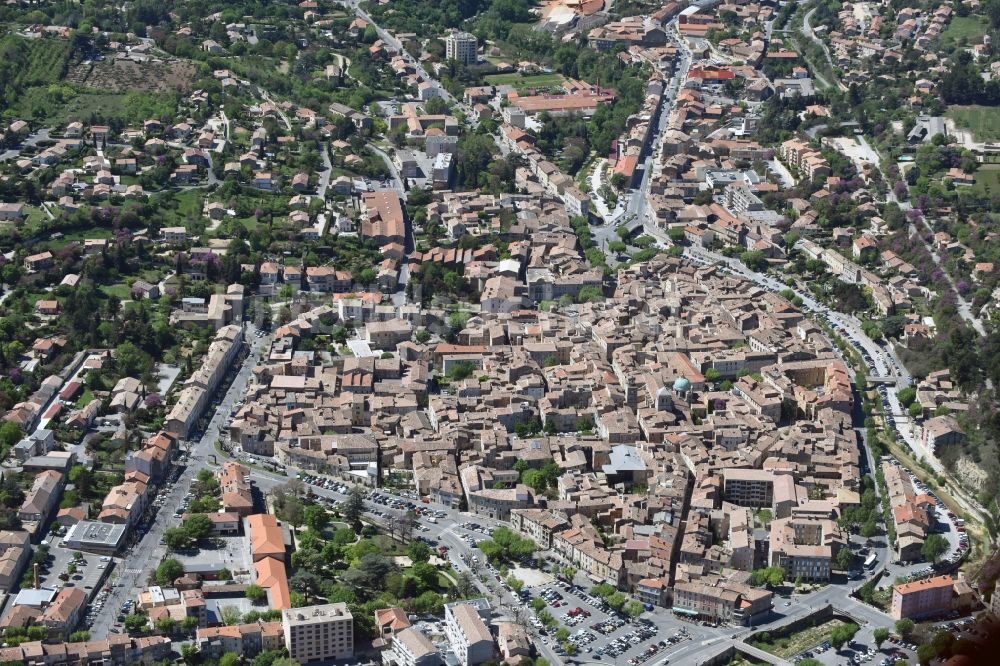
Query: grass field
<point>987,180</point>
<point>969,27</point>
<point>984,121</point>
<point>522,82</point>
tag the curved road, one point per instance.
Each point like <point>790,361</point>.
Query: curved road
<point>807,30</point>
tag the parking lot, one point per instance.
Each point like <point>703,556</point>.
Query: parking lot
<point>596,630</point>
<point>89,569</point>
<point>861,651</point>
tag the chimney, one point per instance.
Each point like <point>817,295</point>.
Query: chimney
<point>34,572</point>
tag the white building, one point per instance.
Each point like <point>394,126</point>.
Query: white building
<point>410,647</point>
<point>319,633</point>
<point>461,46</point>
<point>468,634</point>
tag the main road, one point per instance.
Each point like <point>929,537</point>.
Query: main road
<point>141,558</point>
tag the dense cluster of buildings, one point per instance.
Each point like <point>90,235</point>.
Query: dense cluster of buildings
<point>669,466</point>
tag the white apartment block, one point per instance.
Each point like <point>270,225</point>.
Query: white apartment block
<point>461,46</point>
<point>410,647</point>
<point>319,633</point>
<point>468,634</point>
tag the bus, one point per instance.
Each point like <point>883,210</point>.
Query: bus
<point>870,561</point>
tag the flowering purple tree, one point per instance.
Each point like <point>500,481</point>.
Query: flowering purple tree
<point>154,400</point>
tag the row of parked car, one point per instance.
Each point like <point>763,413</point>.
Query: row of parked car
<point>624,643</point>
<point>326,484</point>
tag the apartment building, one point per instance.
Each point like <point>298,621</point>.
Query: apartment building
<point>923,598</point>
<point>116,650</point>
<point>805,547</point>
<point>410,647</point>
<point>538,524</point>
<point>718,600</point>
<point>42,498</point>
<point>237,496</point>
<point>63,615</point>
<point>462,47</point>
<point>941,431</point>
<point>247,640</point>
<point>468,634</point>
<point>15,551</point>
<point>319,633</point>
<point>759,489</point>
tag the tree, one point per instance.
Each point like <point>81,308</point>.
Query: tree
<point>616,600</point>
<point>634,608</point>
<point>225,574</point>
<point>198,526</point>
<point>418,551</point>
<point>231,615</point>
<point>506,545</point>
<point>165,625</point>
<point>189,653</point>
<point>354,506</point>
<point>425,574</point>
<point>169,571</point>
<point>229,659</point>
<point>82,479</point>
<point>904,627</point>
<point>516,584</point>
<point>712,375</point>
<point>915,410</point>
<point>881,635</point>
<point>590,294</point>
<point>845,558</point>
<point>934,547</point>
<point>176,538</point>
<point>842,635</point>
<point>189,623</point>
<point>602,590</point>
<point>907,396</point>
<point>136,623</point>
<point>316,517</point>
<point>769,577</point>
<point>10,434</point>
<point>255,593</point>
<point>79,636</point>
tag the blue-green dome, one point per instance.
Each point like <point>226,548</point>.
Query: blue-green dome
<point>681,384</point>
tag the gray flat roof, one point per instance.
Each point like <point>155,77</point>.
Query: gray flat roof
<point>95,533</point>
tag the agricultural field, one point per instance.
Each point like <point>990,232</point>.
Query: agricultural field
<point>126,75</point>
<point>970,28</point>
<point>983,121</point>
<point>987,180</point>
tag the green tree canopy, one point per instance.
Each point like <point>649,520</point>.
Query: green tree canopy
<point>169,571</point>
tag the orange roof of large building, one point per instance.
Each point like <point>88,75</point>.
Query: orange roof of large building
<point>393,618</point>
<point>266,538</point>
<point>271,574</point>
<point>936,582</point>
<point>555,103</point>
